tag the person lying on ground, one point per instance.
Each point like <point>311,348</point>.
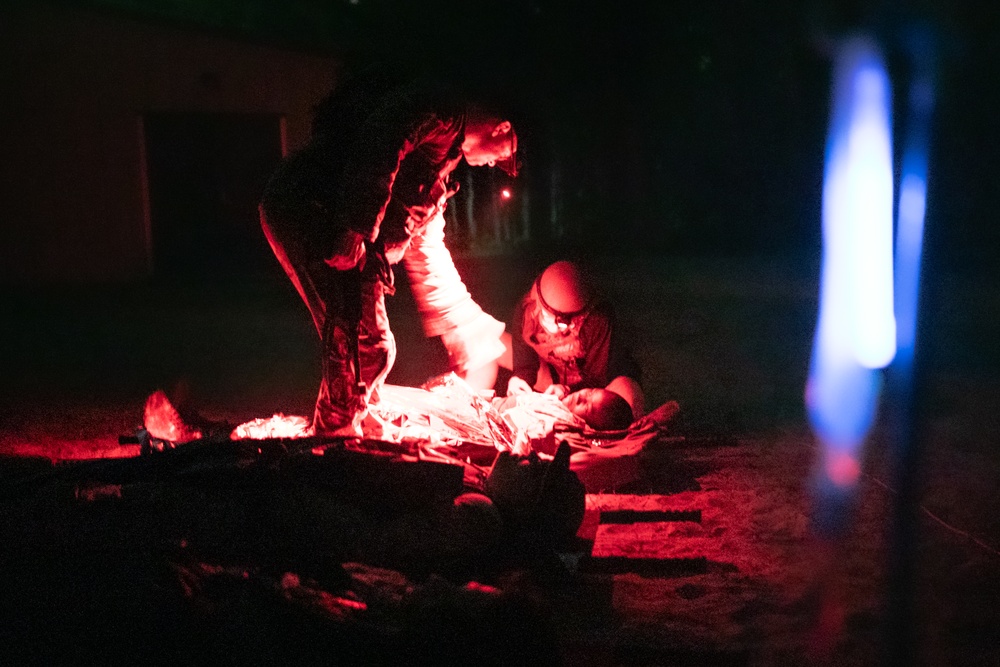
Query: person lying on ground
<point>445,410</point>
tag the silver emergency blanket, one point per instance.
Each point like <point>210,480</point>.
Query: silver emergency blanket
<point>447,411</point>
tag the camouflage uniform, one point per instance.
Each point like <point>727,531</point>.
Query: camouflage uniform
<point>382,170</point>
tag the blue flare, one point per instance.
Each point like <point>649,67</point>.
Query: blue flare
<point>856,328</point>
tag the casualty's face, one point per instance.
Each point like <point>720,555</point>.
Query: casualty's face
<point>583,403</point>
<point>600,408</point>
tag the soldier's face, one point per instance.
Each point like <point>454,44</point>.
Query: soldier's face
<point>559,323</point>
<point>548,322</point>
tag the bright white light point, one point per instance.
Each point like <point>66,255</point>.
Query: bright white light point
<point>858,218</point>
<point>855,333</point>
<point>505,193</point>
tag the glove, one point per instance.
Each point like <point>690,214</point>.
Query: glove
<point>348,252</point>
<point>560,391</point>
<point>516,386</point>
<point>437,201</point>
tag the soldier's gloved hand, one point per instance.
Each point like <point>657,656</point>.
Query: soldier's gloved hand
<point>560,391</point>
<point>349,252</point>
<point>436,202</point>
<point>516,387</point>
<point>442,191</point>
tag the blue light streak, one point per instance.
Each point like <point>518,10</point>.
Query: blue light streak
<point>912,214</point>
<point>857,209</point>
<point>856,328</point>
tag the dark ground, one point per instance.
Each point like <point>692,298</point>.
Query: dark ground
<point>728,339</point>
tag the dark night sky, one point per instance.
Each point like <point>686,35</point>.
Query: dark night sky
<point>690,125</point>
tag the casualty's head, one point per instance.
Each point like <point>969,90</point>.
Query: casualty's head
<point>490,140</point>
<point>603,410</point>
<point>563,295</point>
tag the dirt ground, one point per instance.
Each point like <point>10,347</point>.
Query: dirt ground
<point>715,562</point>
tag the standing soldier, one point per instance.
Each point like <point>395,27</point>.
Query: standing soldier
<point>368,191</point>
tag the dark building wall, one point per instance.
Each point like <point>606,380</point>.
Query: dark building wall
<point>74,89</point>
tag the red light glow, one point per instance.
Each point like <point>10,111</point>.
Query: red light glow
<point>505,193</point>
<point>842,469</point>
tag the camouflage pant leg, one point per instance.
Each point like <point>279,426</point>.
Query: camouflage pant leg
<point>334,299</point>
<point>342,402</point>
<point>377,345</point>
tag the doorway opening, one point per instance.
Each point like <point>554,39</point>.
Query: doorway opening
<point>206,173</point>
